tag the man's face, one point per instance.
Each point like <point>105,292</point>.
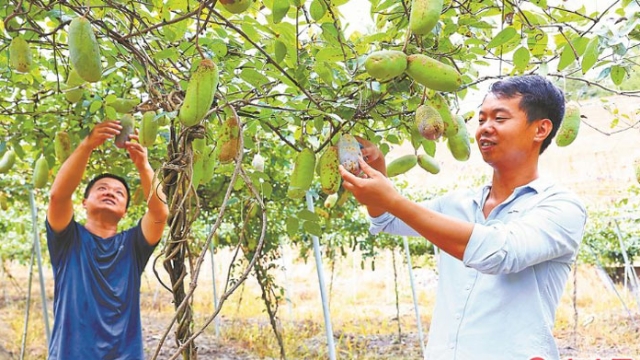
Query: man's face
<point>107,195</point>
<point>504,136</point>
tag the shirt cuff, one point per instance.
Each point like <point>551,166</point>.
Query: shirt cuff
<point>378,223</point>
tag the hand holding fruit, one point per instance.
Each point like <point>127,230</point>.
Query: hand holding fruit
<point>102,132</point>
<point>376,190</point>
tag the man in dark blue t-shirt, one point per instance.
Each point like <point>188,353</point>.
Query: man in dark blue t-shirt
<point>97,269</point>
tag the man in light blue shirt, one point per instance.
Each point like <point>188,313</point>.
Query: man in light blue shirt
<point>507,248</point>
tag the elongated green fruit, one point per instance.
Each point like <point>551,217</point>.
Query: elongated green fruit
<point>127,123</point>
<point>385,64</point>
<point>20,55</point>
<point>428,163</point>
<point>123,106</point>
<point>439,103</point>
<point>429,122</point>
<point>424,15</point>
<point>348,153</point>
<point>432,73</point>
<point>570,125</point>
<point>148,129</point>
<point>62,146</point>
<point>459,144</point>
<point>8,159</point>
<point>229,140</point>
<point>302,175</point>
<point>4,203</point>
<point>200,93</point>
<point>237,6</point>
<point>40,173</point>
<point>74,82</point>
<point>401,165</point>
<point>328,164</point>
<point>84,51</point>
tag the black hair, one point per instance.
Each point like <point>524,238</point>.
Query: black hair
<point>540,100</point>
<point>107,175</point>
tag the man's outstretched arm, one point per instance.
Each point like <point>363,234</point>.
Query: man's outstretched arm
<point>155,217</point>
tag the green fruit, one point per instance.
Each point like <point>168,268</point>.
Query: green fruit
<point>4,204</point>
<point>20,55</point>
<point>429,122</point>
<point>432,73</point>
<point>148,129</point>
<point>302,175</point>
<point>84,51</point>
<point>570,125</point>
<point>127,123</point>
<point>348,154</point>
<point>331,200</point>
<point>386,64</point>
<point>401,165</point>
<point>40,173</point>
<point>229,140</point>
<point>8,159</point>
<point>424,15</point>
<point>74,82</point>
<point>200,93</point>
<point>236,6</point>
<point>439,103</point>
<point>636,167</point>
<point>459,144</point>
<point>62,146</point>
<point>428,163</point>
<point>329,172</point>
<point>124,106</point>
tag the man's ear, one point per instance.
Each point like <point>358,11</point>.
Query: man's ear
<point>543,130</point>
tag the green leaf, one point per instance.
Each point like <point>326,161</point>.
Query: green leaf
<point>253,77</point>
<point>280,9</point>
<point>329,54</point>
<point>292,225</point>
<point>591,54</point>
<point>280,50</point>
<point>167,53</point>
<point>521,58</point>
<point>541,3</point>
<point>95,106</point>
<point>317,9</point>
<point>312,228</point>
<point>305,214</point>
<point>618,73</point>
<point>502,37</point>
<point>566,58</point>
<point>537,42</point>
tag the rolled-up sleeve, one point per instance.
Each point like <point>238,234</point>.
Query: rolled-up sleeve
<point>390,224</point>
<point>550,230</point>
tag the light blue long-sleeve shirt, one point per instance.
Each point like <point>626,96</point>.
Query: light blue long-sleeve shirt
<point>499,302</point>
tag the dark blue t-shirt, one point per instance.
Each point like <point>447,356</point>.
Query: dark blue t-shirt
<point>96,303</point>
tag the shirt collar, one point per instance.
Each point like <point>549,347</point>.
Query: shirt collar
<point>538,185</point>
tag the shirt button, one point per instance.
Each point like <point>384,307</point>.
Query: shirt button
<point>452,345</point>
<point>468,287</point>
<point>458,316</point>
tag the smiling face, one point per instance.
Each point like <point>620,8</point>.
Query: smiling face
<point>505,137</point>
<point>107,195</point>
